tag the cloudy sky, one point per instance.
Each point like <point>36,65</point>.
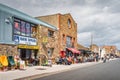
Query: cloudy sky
<point>99,18</point>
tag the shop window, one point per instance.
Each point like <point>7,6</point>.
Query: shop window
<point>33,31</point>
<point>24,28</point>
<point>17,28</point>
<point>28,29</point>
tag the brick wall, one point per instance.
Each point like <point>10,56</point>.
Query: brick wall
<point>61,22</point>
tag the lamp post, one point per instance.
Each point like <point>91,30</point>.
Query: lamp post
<point>100,52</point>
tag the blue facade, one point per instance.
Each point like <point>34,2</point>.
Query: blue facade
<point>7,16</point>
<point>5,29</point>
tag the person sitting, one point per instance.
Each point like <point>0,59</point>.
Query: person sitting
<point>65,61</point>
<point>70,60</point>
<point>57,60</point>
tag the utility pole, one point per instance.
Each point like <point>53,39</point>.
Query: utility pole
<point>91,41</point>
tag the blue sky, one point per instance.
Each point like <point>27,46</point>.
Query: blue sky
<point>99,18</point>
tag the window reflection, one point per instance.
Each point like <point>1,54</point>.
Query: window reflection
<point>24,28</point>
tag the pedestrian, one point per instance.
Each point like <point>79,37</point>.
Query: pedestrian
<point>104,59</point>
<point>50,62</point>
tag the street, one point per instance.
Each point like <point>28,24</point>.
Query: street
<point>103,71</point>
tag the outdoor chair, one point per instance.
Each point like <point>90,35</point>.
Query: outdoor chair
<point>4,62</point>
<point>11,62</point>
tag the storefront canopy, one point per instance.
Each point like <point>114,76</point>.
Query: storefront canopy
<point>74,51</point>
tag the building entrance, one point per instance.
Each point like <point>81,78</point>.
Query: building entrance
<point>29,56</point>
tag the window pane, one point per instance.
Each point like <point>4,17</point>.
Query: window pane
<point>33,31</point>
<point>17,28</point>
<point>28,29</point>
<point>68,41</point>
<point>50,33</point>
<point>23,28</point>
<point>69,23</point>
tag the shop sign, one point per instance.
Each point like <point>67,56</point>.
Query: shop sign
<point>45,39</point>
<point>28,47</point>
<point>24,40</point>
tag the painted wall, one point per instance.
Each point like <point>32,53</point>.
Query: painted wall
<point>5,28</point>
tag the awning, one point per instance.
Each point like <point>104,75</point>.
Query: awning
<point>74,51</point>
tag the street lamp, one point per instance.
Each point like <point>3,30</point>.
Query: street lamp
<point>100,52</point>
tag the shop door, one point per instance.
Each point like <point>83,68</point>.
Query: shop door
<point>25,54</point>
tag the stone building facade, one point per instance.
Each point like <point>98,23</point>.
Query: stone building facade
<point>94,48</point>
<point>65,37</point>
<point>6,49</point>
<point>110,49</point>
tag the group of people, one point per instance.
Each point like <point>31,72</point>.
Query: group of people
<point>67,60</point>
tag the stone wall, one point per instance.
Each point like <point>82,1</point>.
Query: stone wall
<point>65,30</point>
<point>46,42</point>
<point>57,42</point>
<point>8,49</point>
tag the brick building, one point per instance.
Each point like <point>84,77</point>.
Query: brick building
<point>59,41</point>
<point>94,48</point>
<point>110,49</point>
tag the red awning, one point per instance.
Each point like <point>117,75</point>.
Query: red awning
<point>75,51</point>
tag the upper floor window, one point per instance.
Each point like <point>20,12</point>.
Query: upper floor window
<point>50,33</point>
<point>68,41</point>
<point>24,28</point>
<point>23,31</point>
<point>69,23</point>
<point>16,28</point>
<point>33,30</point>
<point>28,29</point>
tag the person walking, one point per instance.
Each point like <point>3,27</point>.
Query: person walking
<point>104,59</point>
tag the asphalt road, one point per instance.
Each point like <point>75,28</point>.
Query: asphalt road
<point>103,71</point>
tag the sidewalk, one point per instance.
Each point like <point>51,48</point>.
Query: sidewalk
<point>41,70</point>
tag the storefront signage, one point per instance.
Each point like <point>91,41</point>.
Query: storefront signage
<point>24,40</point>
<point>45,39</point>
<point>28,47</point>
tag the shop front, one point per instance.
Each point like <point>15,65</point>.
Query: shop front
<point>18,36</point>
<point>73,53</point>
<point>29,54</point>
<point>27,49</point>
